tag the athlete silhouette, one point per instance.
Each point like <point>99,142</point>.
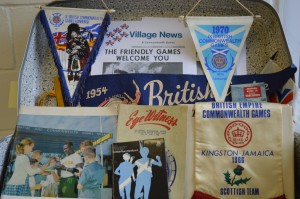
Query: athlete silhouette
<point>144,173</point>
<point>125,171</point>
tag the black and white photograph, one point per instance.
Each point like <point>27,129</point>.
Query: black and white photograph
<point>143,67</point>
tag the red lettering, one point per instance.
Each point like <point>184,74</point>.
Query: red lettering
<point>133,120</point>
<point>151,116</point>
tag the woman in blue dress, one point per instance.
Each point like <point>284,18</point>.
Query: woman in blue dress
<point>18,185</point>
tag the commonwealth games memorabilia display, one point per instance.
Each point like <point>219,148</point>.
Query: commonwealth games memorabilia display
<point>137,132</point>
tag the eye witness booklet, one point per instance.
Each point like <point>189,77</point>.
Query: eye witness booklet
<point>140,169</point>
<point>152,122</point>
<point>57,134</point>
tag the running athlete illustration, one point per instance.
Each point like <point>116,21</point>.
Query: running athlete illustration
<point>144,173</point>
<point>125,171</point>
<point>123,98</point>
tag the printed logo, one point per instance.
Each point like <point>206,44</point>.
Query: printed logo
<point>153,117</point>
<point>219,61</point>
<point>238,134</point>
<point>238,171</point>
<point>56,20</point>
<point>117,34</point>
<point>252,92</point>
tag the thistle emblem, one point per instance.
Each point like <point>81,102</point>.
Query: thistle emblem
<point>238,171</point>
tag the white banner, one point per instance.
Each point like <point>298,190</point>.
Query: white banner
<point>75,32</point>
<point>218,42</point>
<point>242,156</point>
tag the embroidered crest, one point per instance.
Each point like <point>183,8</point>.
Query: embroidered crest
<point>56,20</point>
<point>238,171</point>
<point>219,61</point>
<point>238,134</point>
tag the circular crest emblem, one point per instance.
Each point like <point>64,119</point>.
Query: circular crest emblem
<point>56,20</point>
<point>171,168</point>
<point>219,61</point>
<point>238,134</point>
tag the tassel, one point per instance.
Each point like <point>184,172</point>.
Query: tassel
<point>201,195</point>
<point>281,197</point>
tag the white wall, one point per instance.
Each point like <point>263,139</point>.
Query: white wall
<point>16,17</point>
<point>288,11</point>
<point>291,26</point>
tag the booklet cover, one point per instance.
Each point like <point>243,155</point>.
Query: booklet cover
<point>190,152</point>
<point>241,156</point>
<point>140,169</point>
<point>52,128</point>
<point>150,122</point>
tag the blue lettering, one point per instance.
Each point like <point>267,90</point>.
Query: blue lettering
<point>170,35</point>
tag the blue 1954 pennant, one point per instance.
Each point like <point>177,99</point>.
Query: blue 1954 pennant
<point>162,89</point>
